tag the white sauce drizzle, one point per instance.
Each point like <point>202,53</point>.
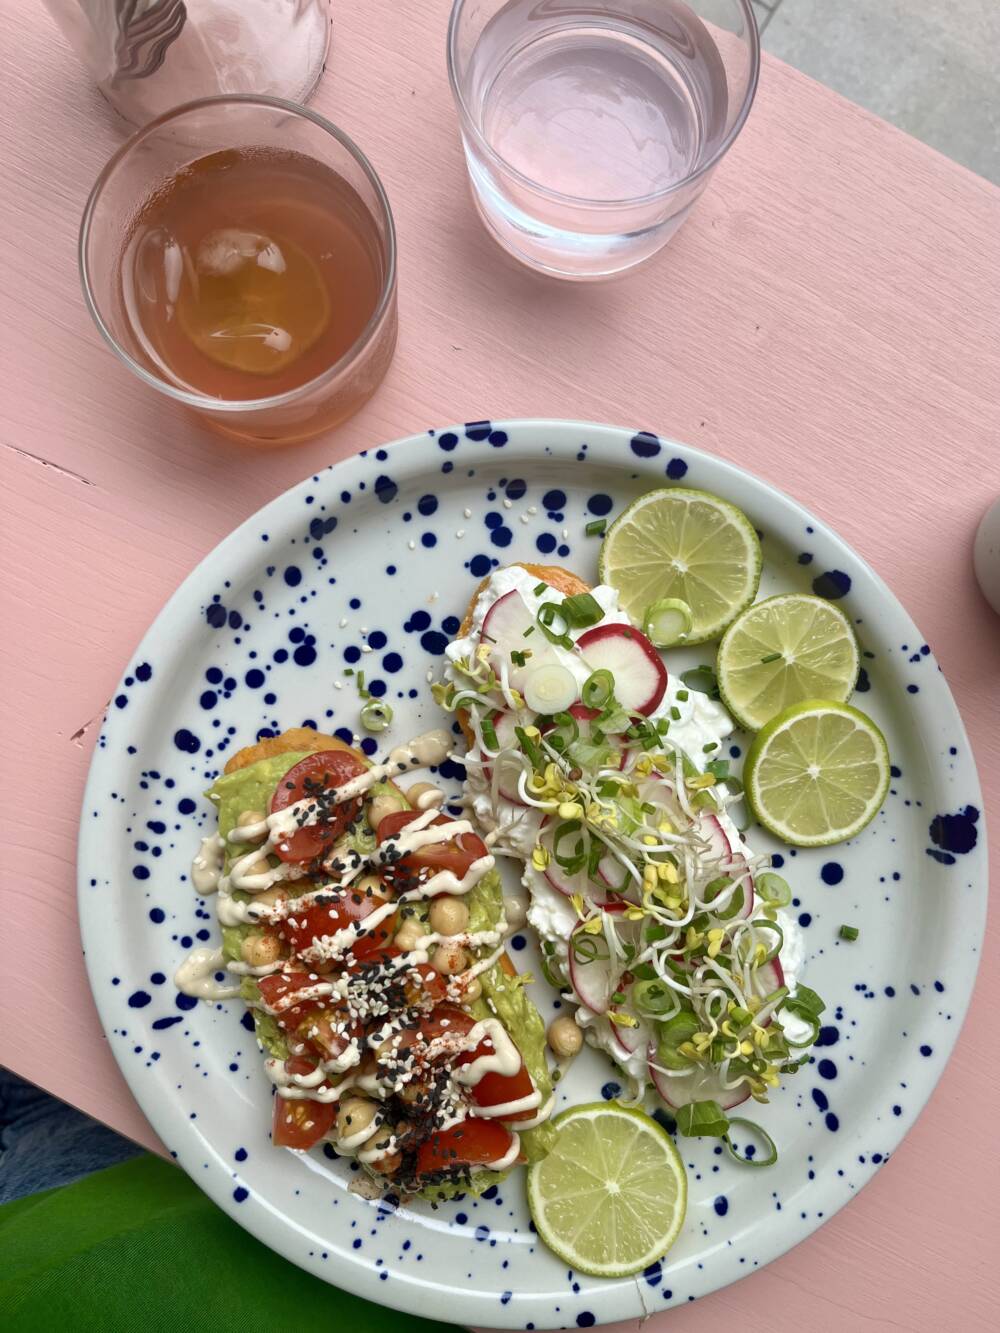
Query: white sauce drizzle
<point>195,976</point>
<point>206,868</point>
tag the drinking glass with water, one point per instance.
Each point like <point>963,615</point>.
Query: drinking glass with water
<point>590,127</point>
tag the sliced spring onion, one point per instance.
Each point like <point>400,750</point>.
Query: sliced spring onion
<point>596,528</point>
<point>550,688</point>
<point>653,999</point>
<point>376,715</point>
<point>489,734</point>
<point>668,622</point>
<point>598,689</point>
<point>773,889</point>
<point>849,932</point>
<point>582,610</point>
<point>530,748</point>
<point>702,680</point>
<point>571,861</point>
<point>761,1134</point>
<point>588,948</point>
<point>554,624</point>
<point>519,658</point>
<point>810,1040</point>
<point>539,588</point>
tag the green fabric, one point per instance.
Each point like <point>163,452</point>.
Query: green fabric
<point>138,1246</point>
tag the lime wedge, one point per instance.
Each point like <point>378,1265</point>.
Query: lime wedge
<point>817,773</point>
<point>610,1197</point>
<point>782,651</point>
<point>686,545</point>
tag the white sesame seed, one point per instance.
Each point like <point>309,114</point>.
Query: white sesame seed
<point>412,544</point>
<point>565,534</point>
<point>524,518</point>
<point>364,629</point>
<point>460,533</point>
<point>367,648</point>
<point>467,513</point>
<point>430,675</point>
<point>338,684</point>
<point>532,509</point>
<point>343,621</point>
<point>434,596</point>
<point>508,504</point>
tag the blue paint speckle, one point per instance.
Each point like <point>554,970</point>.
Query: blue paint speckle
<point>239,1194</point>
<point>139,999</point>
<point>187,741</point>
<point>832,872</point>
<point>827,1069</point>
<point>832,585</point>
<point>585,1319</point>
<point>926,1050</point>
<point>676,469</point>
<point>721,1205</point>
<point>645,444</point>
<point>386,489</point>
<point>954,834</point>
<point>610,1091</point>
<point>545,542</point>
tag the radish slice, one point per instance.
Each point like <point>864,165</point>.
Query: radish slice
<point>701,1084</point>
<point>632,1039</point>
<point>550,688</point>
<point>728,849</point>
<point>510,769</point>
<point>769,978</point>
<point>503,629</point>
<point>593,981</point>
<point>640,676</point>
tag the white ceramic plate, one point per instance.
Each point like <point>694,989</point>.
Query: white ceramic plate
<point>372,563</point>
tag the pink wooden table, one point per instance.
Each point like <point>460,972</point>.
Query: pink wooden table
<point>828,318</point>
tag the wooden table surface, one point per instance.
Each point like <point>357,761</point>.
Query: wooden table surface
<point>828,319</point>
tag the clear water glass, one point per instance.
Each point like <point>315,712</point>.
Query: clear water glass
<point>590,127</point>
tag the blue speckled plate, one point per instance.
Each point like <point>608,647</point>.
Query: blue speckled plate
<point>371,564</point>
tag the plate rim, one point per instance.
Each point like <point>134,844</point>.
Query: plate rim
<point>619,1299</point>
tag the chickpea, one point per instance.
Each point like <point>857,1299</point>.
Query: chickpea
<point>515,913</point>
<point>408,934</point>
<point>261,866</point>
<point>252,817</point>
<point>385,803</point>
<point>425,796</point>
<point>354,1115</point>
<point>449,959</point>
<point>367,882</point>
<point>448,915</point>
<point>260,950</point>
<point>270,897</point>
<point>472,991</point>
<point>565,1037</point>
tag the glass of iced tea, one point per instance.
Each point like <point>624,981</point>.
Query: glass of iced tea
<point>238,254</point>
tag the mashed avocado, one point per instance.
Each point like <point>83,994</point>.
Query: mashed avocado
<point>252,788</point>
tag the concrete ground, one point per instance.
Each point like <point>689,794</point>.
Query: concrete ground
<point>932,67</point>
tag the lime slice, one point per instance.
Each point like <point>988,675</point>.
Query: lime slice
<point>687,545</point>
<point>782,651</point>
<point>609,1199</point>
<point>817,773</point>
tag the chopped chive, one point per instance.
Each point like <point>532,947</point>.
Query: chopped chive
<point>712,745</point>
<point>663,725</point>
<point>539,588</point>
<point>682,696</point>
<point>849,932</point>
<point>519,659</point>
<point>582,610</point>
<point>619,997</point>
<point>675,713</point>
<point>348,671</point>
<point>771,657</point>
<point>490,734</point>
<point>376,715</point>
<point>596,529</point>
<point>529,630</point>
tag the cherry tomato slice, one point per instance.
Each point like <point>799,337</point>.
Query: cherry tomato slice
<point>456,855</point>
<point>310,777</point>
<point>493,1089</point>
<point>474,1142</point>
<point>346,907</point>
<point>312,1021</point>
<point>300,1123</point>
